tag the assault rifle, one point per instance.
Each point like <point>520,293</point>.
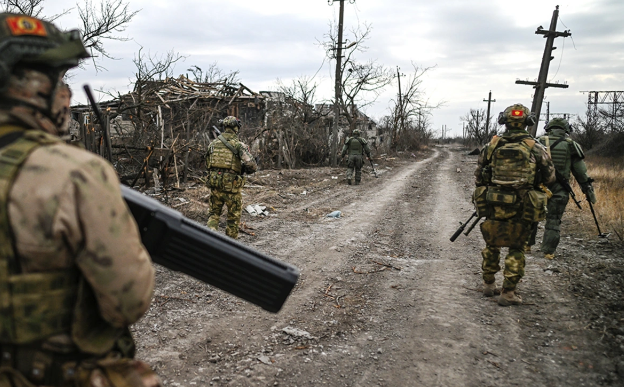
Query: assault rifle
<point>181,244</point>
<point>566,185</point>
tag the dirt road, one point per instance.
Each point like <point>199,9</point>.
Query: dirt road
<point>385,299</point>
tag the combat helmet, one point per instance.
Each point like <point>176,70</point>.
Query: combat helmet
<point>558,123</point>
<point>516,116</point>
<point>28,40</point>
<point>34,56</point>
<point>356,132</point>
<point>231,122</point>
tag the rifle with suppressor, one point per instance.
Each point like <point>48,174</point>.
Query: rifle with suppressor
<point>181,244</point>
<point>463,226</point>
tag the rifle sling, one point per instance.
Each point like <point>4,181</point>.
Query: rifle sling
<point>228,145</point>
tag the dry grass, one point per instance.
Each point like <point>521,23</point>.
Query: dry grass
<point>608,174</point>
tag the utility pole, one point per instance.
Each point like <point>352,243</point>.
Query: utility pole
<point>541,84</point>
<point>487,123</point>
<point>334,142</point>
<point>400,101</point>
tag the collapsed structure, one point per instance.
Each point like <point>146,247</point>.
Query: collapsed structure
<point>166,126</point>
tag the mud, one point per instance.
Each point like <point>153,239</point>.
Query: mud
<point>385,299</point>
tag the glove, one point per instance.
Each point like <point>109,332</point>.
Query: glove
<point>588,190</point>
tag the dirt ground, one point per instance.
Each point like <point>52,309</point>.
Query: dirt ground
<point>384,298</point>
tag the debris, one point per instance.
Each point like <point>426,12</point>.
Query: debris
<point>334,177</point>
<point>335,214</point>
<point>458,170</point>
<point>265,360</point>
<point>298,333</point>
<point>304,193</point>
<point>256,209</point>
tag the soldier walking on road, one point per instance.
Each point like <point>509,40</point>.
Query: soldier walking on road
<point>73,272</point>
<point>227,160</point>
<point>355,147</point>
<point>567,156</point>
<point>510,170</point>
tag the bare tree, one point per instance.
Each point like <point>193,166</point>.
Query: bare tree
<point>213,74</point>
<point>296,123</point>
<point>411,110</point>
<point>98,23</point>
<point>361,81</point>
<point>476,126</point>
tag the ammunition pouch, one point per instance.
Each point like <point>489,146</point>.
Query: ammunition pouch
<point>497,196</point>
<point>498,233</point>
<point>225,180</point>
<point>479,199</point>
<point>534,206</point>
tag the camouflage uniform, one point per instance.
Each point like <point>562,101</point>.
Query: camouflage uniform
<point>567,156</point>
<point>355,147</point>
<point>73,271</point>
<point>507,197</point>
<point>226,165</point>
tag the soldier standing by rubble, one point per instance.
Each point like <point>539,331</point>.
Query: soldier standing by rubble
<point>510,170</point>
<point>567,156</point>
<point>227,160</point>
<point>355,147</point>
<point>73,272</point>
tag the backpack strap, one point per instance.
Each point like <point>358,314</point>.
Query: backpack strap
<point>228,145</point>
<point>492,147</point>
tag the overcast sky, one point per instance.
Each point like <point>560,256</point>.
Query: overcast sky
<point>475,45</point>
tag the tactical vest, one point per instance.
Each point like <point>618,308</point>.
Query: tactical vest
<point>561,153</point>
<point>35,306</point>
<point>512,163</point>
<point>355,146</point>
<point>223,158</point>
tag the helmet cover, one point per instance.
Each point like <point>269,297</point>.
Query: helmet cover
<point>558,123</point>
<point>516,116</point>
<point>231,122</point>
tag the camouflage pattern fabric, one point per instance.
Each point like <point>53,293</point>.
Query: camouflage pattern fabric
<point>509,214</point>
<point>234,203</point>
<point>221,157</point>
<point>514,266</point>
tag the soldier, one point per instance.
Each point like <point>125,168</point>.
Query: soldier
<point>510,170</point>
<point>73,272</point>
<point>567,156</point>
<point>227,160</point>
<point>356,147</point>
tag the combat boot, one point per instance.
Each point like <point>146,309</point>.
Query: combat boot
<point>357,182</point>
<point>509,297</point>
<point>490,290</point>
<point>349,181</point>
<point>527,249</point>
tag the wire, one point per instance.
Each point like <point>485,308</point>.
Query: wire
<point>574,44</point>
<point>560,59</point>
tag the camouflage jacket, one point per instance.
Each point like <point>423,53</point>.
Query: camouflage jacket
<point>545,168</point>
<point>66,211</point>
<point>220,156</point>
<point>355,146</point>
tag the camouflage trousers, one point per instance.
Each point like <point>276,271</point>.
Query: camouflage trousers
<point>514,266</point>
<point>354,164</point>
<point>234,203</point>
<point>555,209</point>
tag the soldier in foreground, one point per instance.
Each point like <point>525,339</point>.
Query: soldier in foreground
<point>567,156</point>
<point>227,160</point>
<point>510,170</point>
<point>73,272</point>
<point>355,147</point>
